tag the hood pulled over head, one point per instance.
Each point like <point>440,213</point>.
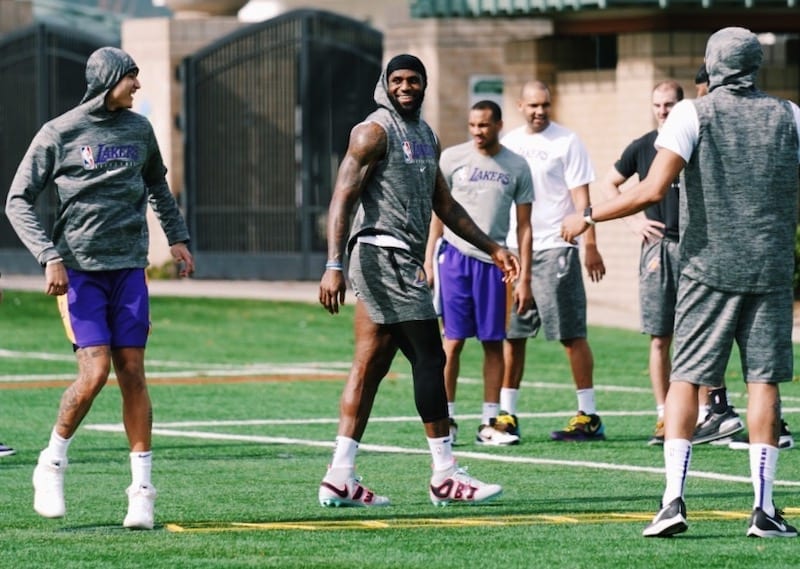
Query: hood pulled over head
<point>733,58</point>
<point>104,69</point>
<point>403,61</point>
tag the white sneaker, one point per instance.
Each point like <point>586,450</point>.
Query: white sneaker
<point>489,435</point>
<point>48,487</point>
<point>141,500</point>
<point>455,485</point>
<point>349,493</point>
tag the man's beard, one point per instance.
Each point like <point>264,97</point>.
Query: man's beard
<point>408,112</point>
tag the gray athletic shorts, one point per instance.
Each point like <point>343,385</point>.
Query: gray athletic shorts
<point>559,297</point>
<point>391,284</point>
<point>658,286</point>
<point>708,321</point>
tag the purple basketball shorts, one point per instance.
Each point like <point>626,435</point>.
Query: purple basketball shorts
<point>475,300</point>
<point>106,308</point>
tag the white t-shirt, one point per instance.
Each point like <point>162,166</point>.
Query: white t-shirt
<point>681,130</point>
<point>559,162</point>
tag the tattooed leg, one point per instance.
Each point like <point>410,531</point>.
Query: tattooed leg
<point>94,364</point>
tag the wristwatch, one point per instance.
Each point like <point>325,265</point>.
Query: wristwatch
<point>587,215</point>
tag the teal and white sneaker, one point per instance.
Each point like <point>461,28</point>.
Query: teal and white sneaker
<point>348,494</point>
<point>455,485</point>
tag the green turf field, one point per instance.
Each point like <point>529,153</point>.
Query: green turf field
<point>245,398</point>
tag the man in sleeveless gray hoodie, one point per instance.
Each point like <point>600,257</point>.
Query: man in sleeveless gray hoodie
<point>105,164</point>
<point>391,169</point>
<point>740,149</point>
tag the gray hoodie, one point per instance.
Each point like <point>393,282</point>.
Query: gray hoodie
<point>739,210</point>
<point>106,167</point>
<point>398,198</point>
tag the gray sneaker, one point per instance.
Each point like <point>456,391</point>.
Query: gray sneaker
<point>670,520</point>
<point>717,426</point>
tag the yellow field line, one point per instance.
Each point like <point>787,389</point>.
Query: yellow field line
<point>467,521</point>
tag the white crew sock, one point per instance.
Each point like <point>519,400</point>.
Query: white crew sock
<point>141,467</point>
<point>442,453</point>
<point>508,400</point>
<point>58,446</point>
<point>763,464</point>
<point>451,409</point>
<point>677,458</point>
<point>344,455</point>
<point>489,411</point>
<point>586,401</point>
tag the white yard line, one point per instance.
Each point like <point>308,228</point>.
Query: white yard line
<point>207,435</point>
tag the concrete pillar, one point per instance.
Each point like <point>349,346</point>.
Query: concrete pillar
<point>158,45</point>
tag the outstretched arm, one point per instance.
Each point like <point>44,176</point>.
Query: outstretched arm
<point>665,168</point>
<point>643,227</point>
<point>366,148</point>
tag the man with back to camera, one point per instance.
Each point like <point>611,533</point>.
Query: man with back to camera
<point>717,416</point>
<point>740,149</point>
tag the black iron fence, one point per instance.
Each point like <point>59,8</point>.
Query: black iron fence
<point>42,74</point>
<point>268,110</point>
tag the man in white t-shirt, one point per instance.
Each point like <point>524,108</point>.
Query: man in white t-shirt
<point>561,172</point>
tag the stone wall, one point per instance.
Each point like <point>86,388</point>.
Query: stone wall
<point>15,14</point>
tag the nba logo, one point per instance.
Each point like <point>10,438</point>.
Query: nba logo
<point>87,157</point>
<point>408,152</point>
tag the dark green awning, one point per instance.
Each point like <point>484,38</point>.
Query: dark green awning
<point>516,8</point>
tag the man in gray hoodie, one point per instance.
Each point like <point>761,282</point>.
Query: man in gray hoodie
<point>105,164</point>
<point>391,169</point>
<point>740,149</point>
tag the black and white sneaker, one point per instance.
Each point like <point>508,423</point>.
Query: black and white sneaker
<point>785,440</point>
<point>763,525</point>
<point>453,431</point>
<point>670,520</point>
<point>717,426</point>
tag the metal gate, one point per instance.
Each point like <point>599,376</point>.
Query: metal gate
<point>42,74</point>
<point>268,111</point>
